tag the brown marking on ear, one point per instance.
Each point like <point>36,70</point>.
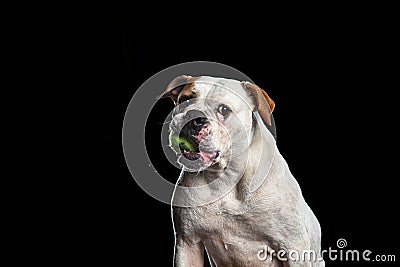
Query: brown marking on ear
<point>187,90</point>
<point>177,85</point>
<point>264,104</point>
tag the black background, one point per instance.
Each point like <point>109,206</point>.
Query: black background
<point>331,78</point>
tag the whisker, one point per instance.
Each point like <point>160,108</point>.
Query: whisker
<point>166,122</point>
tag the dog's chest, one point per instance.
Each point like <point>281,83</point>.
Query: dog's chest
<point>230,237</point>
<point>222,220</point>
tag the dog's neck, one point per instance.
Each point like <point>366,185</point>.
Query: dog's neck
<point>260,157</point>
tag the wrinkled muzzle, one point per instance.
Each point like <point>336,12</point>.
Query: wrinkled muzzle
<point>198,140</point>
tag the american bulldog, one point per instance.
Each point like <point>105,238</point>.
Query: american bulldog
<point>236,198</point>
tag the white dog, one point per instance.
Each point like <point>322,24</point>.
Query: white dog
<point>235,196</point>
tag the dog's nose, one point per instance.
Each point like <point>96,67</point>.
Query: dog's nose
<point>196,118</point>
<point>199,122</point>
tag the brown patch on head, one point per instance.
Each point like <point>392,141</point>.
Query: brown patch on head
<point>179,87</point>
<point>263,103</point>
<point>186,92</point>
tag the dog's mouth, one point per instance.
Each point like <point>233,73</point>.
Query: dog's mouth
<point>194,145</point>
<point>189,146</point>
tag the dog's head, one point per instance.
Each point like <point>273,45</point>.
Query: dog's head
<point>211,116</point>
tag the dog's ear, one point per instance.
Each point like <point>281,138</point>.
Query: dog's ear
<point>263,103</point>
<point>175,87</point>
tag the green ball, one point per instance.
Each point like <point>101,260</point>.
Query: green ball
<point>179,143</point>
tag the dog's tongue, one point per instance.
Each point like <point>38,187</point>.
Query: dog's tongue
<point>207,156</point>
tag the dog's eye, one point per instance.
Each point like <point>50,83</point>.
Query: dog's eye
<point>184,99</point>
<point>224,110</point>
